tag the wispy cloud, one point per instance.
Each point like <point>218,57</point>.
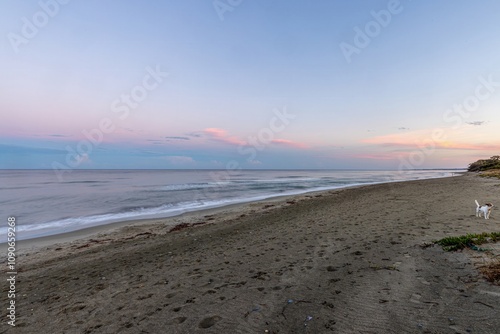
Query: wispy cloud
<point>195,134</point>
<point>409,139</point>
<point>52,135</point>
<point>476,123</point>
<point>289,143</point>
<point>15,149</point>
<point>59,135</point>
<point>474,147</point>
<point>427,138</point>
<point>221,135</point>
<point>155,141</point>
<point>177,138</point>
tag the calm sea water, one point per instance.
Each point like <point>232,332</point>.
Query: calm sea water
<point>44,206</point>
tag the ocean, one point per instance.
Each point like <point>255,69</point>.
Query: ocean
<point>43,205</point>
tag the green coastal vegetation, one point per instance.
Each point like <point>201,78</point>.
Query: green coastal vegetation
<point>469,240</point>
<point>491,270</point>
<point>487,167</point>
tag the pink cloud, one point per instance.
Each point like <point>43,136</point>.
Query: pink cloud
<point>464,146</point>
<point>408,139</point>
<point>219,133</point>
<point>429,138</point>
<point>222,136</point>
<point>287,142</point>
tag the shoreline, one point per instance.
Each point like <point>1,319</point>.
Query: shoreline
<point>87,232</point>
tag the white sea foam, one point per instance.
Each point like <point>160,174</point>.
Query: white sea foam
<point>45,207</point>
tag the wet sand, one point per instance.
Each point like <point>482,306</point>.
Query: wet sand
<point>342,261</point>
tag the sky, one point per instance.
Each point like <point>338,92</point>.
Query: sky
<point>230,84</point>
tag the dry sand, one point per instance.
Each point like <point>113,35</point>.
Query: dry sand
<point>344,261</point>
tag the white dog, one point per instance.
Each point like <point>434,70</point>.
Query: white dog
<point>483,209</point>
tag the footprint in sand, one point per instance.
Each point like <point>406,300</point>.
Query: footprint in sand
<point>423,281</point>
<point>415,298</point>
<point>209,322</point>
<point>170,295</point>
<point>178,320</point>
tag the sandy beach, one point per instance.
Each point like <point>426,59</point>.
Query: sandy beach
<point>354,260</point>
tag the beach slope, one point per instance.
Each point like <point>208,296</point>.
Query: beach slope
<point>342,261</point>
